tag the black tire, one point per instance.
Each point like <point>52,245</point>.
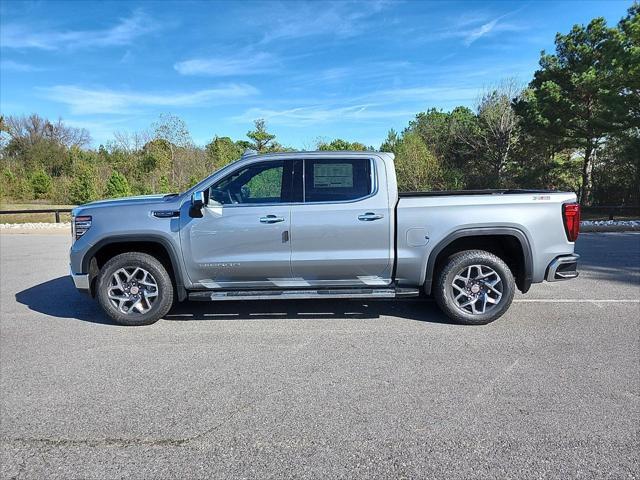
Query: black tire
<point>159,308</point>
<point>444,292</point>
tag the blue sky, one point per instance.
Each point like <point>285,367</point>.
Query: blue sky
<point>312,70</point>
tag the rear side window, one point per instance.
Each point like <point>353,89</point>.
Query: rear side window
<point>337,180</point>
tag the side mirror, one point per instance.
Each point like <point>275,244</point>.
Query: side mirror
<point>197,203</point>
<point>197,200</point>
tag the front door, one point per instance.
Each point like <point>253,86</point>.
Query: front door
<point>341,234</point>
<point>242,239</point>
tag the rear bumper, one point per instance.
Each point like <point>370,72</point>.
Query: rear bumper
<point>564,267</point>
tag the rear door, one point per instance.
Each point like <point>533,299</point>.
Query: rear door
<point>341,234</point>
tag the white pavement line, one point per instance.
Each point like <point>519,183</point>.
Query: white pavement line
<point>572,300</point>
<point>541,300</point>
<point>489,385</point>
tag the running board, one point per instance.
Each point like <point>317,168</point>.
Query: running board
<point>209,295</point>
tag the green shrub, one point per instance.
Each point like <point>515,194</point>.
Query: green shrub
<point>60,191</point>
<point>83,186</point>
<point>417,168</point>
<point>163,185</point>
<point>40,183</point>
<point>117,186</point>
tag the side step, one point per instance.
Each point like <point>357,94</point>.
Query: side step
<point>216,295</point>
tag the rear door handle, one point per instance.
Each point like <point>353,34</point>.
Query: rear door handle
<point>271,219</point>
<point>369,217</point>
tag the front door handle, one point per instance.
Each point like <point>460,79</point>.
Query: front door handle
<point>271,219</point>
<point>370,217</point>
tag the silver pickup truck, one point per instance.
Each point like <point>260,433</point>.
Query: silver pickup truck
<point>321,225</point>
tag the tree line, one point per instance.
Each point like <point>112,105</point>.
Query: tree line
<point>575,126</point>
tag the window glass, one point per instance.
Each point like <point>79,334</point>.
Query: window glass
<point>258,183</point>
<point>337,180</point>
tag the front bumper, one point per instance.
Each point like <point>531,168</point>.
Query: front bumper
<point>81,281</point>
<point>564,267</point>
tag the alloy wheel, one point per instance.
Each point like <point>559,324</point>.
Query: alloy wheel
<point>132,290</point>
<point>477,289</point>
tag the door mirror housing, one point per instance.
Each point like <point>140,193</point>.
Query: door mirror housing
<point>197,200</point>
<point>197,203</point>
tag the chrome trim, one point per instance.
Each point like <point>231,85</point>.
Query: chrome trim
<point>218,174</point>
<point>555,264</point>
<point>81,281</point>
<point>271,219</point>
<point>353,283</point>
<point>374,186</point>
<point>369,217</point>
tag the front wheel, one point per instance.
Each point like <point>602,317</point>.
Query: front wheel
<point>134,288</point>
<point>474,287</point>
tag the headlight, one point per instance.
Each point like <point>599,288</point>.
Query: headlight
<point>80,225</point>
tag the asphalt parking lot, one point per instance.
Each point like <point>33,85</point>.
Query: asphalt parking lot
<point>321,390</point>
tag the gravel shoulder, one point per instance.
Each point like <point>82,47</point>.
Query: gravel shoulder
<point>63,228</point>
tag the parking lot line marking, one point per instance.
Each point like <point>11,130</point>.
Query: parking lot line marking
<point>542,300</point>
<point>573,300</point>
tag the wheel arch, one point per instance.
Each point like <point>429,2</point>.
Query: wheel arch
<point>509,243</point>
<point>154,245</point>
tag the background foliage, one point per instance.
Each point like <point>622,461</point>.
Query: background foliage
<point>575,126</point>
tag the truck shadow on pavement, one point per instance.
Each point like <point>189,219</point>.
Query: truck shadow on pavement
<point>418,310</point>
<point>59,298</point>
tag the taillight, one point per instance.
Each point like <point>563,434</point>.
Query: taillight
<point>571,218</point>
<point>81,225</point>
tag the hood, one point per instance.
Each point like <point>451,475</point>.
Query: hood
<point>126,201</point>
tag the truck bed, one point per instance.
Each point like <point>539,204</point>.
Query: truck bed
<point>439,193</point>
<point>426,219</point>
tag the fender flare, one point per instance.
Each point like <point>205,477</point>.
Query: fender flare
<point>174,258</point>
<point>482,231</point>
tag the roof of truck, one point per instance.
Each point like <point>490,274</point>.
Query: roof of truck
<point>317,153</point>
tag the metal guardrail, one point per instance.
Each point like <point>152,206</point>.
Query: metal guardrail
<point>56,211</point>
<point>612,211</point>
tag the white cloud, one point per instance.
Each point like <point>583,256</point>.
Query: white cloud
<point>225,66</point>
<point>492,27</point>
<point>11,66</point>
<point>316,114</point>
<point>380,105</point>
<point>423,94</point>
<point>479,32</point>
<point>292,20</point>
<point>101,131</point>
<point>94,101</point>
<point>123,33</point>
<point>472,26</point>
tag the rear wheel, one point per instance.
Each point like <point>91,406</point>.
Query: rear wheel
<point>134,289</point>
<point>474,287</point>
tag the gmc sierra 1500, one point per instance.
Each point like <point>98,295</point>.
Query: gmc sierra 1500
<point>320,225</point>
